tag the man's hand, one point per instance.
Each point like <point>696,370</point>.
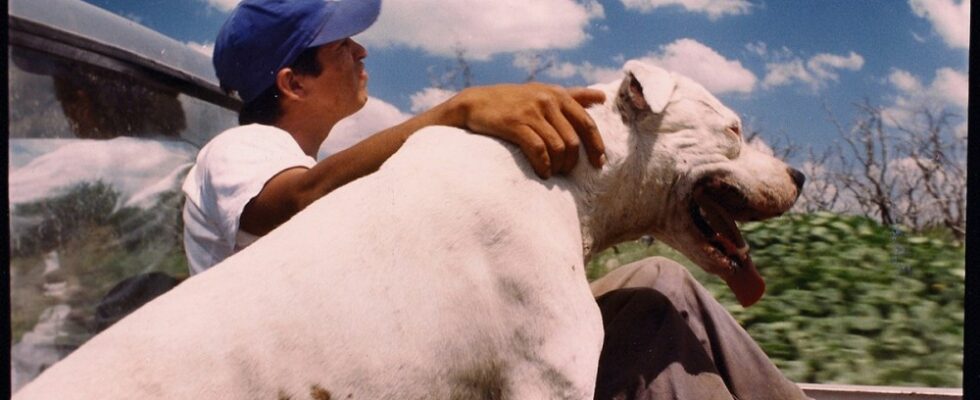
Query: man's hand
<point>548,122</point>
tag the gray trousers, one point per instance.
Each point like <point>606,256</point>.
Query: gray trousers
<point>668,338</point>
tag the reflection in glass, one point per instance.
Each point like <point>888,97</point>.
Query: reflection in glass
<point>96,160</point>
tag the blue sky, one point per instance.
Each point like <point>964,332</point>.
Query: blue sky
<point>777,63</point>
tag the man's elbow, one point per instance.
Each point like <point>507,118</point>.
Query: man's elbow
<point>259,218</point>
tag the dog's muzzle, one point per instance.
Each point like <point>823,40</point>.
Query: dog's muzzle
<point>714,208</point>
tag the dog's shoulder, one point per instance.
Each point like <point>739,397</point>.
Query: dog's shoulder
<point>456,156</point>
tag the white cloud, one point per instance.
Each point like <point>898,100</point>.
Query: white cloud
<point>784,73</point>
<point>204,48</point>
<point>479,29</point>
<point>568,70</point>
<point>428,98</point>
<point>535,62</point>
<point>374,117</point>
<point>950,18</point>
<point>823,65</point>
<point>482,28</point>
<point>223,5</point>
<point>948,89</point>
<point>815,73</point>
<point>595,9</point>
<point>685,56</point>
<point>592,73</point>
<point>952,86</point>
<point>714,8</point>
<point>904,81</point>
<point>551,67</point>
<point>703,64</point>
<point>762,50</point>
<point>758,48</point>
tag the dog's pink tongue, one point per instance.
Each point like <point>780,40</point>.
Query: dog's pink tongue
<point>746,283</point>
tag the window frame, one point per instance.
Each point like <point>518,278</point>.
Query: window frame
<point>62,44</point>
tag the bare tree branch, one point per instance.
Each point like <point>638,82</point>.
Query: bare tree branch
<point>910,172</point>
<point>539,63</point>
<point>821,193</point>
<point>871,185</point>
<point>455,76</point>
<point>937,156</point>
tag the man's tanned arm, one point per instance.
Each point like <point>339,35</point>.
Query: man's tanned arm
<point>549,123</point>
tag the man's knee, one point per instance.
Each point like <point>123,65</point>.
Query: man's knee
<point>630,303</point>
<point>649,272</point>
<point>669,272</point>
<point>649,347</point>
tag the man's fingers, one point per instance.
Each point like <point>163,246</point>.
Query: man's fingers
<point>567,134</point>
<point>585,96</point>
<point>554,143</point>
<point>548,122</point>
<point>534,149</point>
<point>586,129</point>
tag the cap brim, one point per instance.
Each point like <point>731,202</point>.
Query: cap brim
<point>348,19</point>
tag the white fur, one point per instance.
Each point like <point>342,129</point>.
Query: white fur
<point>450,273</point>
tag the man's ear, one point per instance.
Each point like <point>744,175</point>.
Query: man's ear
<point>647,87</point>
<point>289,84</point>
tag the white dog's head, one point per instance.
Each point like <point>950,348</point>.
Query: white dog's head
<point>680,170</point>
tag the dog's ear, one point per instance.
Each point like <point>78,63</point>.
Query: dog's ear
<point>648,87</point>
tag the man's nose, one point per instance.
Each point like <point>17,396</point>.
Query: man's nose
<point>360,51</point>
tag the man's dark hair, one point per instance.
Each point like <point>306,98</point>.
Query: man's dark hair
<point>267,109</point>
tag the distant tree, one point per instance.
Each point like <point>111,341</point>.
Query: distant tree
<point>935,185</point>
<point>900,171</point>
<point>865,162</point>
<point>820,192</point>
<point>53,221</point>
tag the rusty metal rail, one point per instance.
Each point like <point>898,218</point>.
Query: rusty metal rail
<point>855,392</point>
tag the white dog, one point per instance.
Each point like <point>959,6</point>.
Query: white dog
<point>451,273</point>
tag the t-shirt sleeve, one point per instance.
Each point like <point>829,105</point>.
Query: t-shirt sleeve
<point>237,167</point>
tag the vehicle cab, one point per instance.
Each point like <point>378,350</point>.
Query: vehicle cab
<point>105,120</point>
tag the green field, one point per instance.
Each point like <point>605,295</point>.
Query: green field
<point>848,300</point>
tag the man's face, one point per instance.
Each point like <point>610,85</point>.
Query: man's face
<point>342,86</point>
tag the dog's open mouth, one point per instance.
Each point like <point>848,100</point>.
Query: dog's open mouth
<point>711,211</point>
<point>719,229</point>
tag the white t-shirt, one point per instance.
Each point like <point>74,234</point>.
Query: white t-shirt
<point>231,170</point>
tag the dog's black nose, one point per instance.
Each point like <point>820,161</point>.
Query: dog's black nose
<point>798,178</point>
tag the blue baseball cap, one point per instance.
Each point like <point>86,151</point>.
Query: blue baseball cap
<point>263,36</point>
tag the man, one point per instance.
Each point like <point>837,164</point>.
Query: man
<point>298,77</point>
<point>299,73</point>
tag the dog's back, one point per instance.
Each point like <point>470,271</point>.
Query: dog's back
<point>447,274</point>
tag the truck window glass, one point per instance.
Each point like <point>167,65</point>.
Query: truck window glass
<point>96,160</point>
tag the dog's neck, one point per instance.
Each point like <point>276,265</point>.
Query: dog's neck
<point>614,203</point>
